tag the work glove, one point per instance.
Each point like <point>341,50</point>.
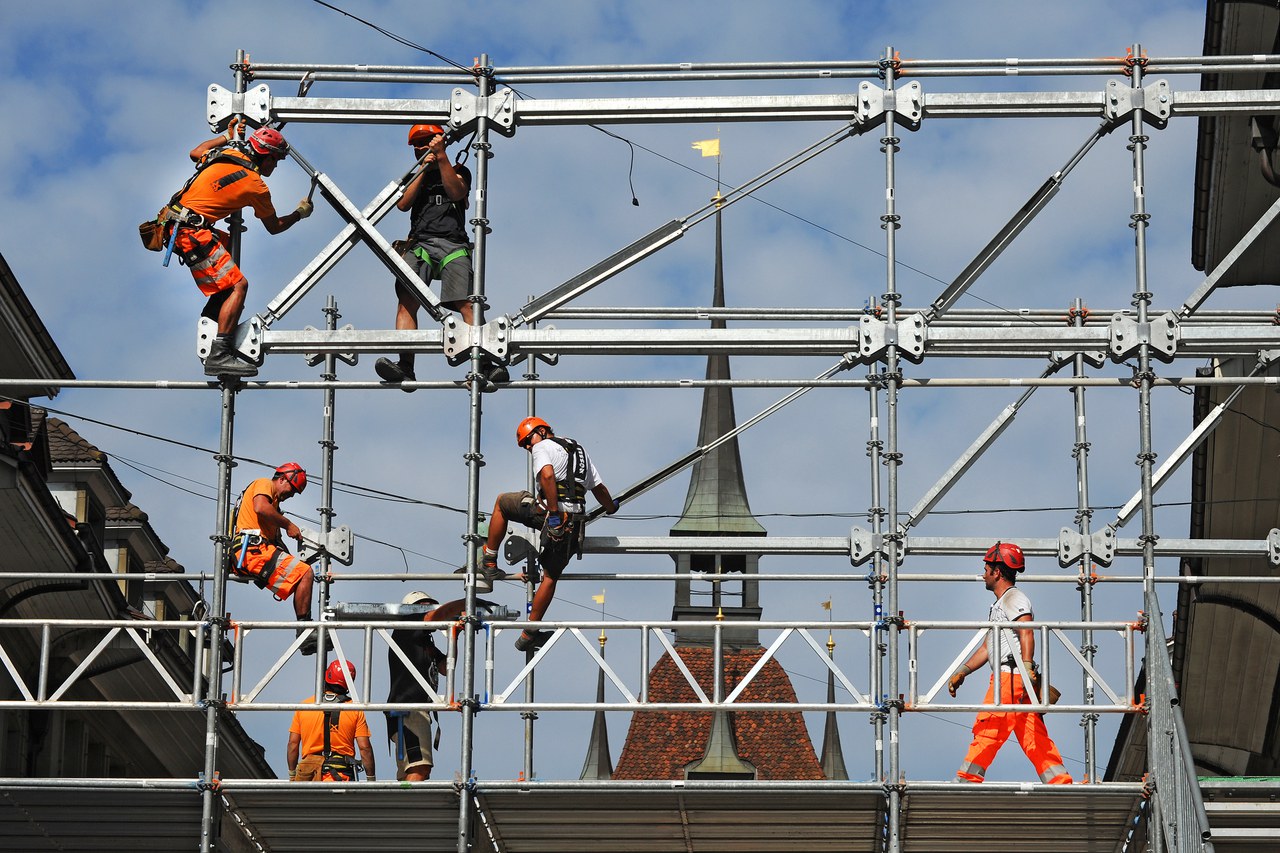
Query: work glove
<point>956,679</point>
<point>1034,672</point>
<point>554,521</point>
<point>304,209</point>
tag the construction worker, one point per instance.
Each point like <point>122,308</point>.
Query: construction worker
<point>437,246</point>
<point>410,731</point>
<point>257,550</point>
<point>327,739</point>
<point>228,178</point>
<point>1001,565</point>
<point>564,473</point>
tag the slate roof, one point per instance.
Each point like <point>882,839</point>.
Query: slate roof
<point>660,744</point>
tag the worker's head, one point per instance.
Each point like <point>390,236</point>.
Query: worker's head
<point>531,429</point>
<point>420,136</point>
<point>337,680</point>
<point>418,597</point>
<point>268,147</point>
<point>1003,560</point>
<point>291,479</point>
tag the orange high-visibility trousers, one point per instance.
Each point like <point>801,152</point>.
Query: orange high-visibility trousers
<point>270,567</point>
<point>993,728</point>
<point>204,251</point>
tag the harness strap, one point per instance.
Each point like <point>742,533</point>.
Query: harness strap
<point>424,256</point>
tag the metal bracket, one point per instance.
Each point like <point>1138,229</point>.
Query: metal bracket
<point>1154,99</point>
<point>247,338</point>
<point>863,545</point>
<point>906,102</point>
<point>1058,358</point>
<point>340,545</point>
<point>1128,334</point>
<point>1102,546</point>
<point>876,335</point>
<point>465,109</point>
<point>255,105</point>
<point>517,549</point>
<point>314,358</point>
<point>493,337</point>
<point>1273,546</point>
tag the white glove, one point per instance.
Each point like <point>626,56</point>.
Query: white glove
<point>304,209</point>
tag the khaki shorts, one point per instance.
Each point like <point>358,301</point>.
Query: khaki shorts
<point>417,745</point>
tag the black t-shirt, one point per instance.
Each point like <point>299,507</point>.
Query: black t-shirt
<point>420,648</point>
<point>434,214</point>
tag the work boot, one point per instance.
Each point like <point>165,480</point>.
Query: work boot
<point>224,361</point>
<point>395,372</point>
<point>311,643</point>
<point>527,642</point>
<point>486,574</point>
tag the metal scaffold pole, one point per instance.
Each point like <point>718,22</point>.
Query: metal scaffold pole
<point>892,458</point>
<point>876,582</point>
<point>328,445</point>
<point>1084,515</point>
<point>474,459</point>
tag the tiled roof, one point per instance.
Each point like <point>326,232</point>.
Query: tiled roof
<point>66,445</point>
<point>128,512</point>
<point>660,744</point>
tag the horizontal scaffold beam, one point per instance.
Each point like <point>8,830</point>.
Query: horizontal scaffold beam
<point>1015,340</point>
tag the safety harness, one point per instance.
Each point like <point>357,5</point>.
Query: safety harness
<point>571,494</point>
<point>174,215</point>
<point>341,767</point>
<point>253,538</point>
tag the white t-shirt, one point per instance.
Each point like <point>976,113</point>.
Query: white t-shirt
<point>1008,608</point>
<point>548,452</point>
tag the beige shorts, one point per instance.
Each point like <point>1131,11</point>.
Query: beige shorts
<point>417,744</point>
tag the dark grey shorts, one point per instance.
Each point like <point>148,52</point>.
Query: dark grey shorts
<point>454,278</point>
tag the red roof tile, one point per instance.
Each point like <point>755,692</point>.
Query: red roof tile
<point>660,744</point>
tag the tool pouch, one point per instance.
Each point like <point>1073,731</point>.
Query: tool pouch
<point>151,233</point>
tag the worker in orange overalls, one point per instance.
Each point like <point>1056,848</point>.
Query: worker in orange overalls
<point>1001,565</point>
<point>257,550</point>
<point>327,739</point>
<point>228,177</point>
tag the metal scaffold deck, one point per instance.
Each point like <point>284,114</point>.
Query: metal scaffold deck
<point>886,673</point>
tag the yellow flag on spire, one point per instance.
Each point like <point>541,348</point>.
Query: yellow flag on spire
<point>708,147</point>
<point>598,599</point>
<point>826,605</point>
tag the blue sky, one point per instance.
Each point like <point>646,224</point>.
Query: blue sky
<point>102,102</point>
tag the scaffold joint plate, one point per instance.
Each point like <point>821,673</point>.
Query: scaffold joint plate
<point>255,105</point>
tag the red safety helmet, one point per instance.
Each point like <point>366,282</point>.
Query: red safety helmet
<point>294,473</point>
<point>334,676</point>
<point>526,428</point>
<point>421,134</point>
<point>268,140</point>
<point>1007,554</point>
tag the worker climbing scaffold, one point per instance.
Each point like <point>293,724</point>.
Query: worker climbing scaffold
<point>228,178</point>
<point>564,474</point>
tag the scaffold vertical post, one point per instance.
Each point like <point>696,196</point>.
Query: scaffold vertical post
<point>328,445</point>
<point>876,516</point>
<point>1084,516</point>
<point>480,145</point>
<point>213,694</point>
<point>893,378</point>
<point>529,717</point>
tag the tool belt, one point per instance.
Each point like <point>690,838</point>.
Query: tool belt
<point>184,217</point>
<point>253,539</point>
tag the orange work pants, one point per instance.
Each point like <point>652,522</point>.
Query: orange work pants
<point>993,728</point>
<point>270,567</point>
<point>204,251</point>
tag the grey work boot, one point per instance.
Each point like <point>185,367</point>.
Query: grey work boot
<point>527,642</point>
<point>486,573</point>
<point>224,361</point>
<point>311,643</point>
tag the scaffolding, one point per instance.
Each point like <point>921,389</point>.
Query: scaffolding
<point>888,676</point>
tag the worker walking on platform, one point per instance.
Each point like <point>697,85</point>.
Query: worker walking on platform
<point>410,732</point>
<point>564,473</point>
<point>228,177</point>
<point>327,739</point>
<point>258,551</point>
<point>437,247</point>
<point>1001,565</point>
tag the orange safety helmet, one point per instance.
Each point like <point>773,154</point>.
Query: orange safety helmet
<point>294,473</point>
<point>268,140</point>
<point>1007,554</point>
<point>526,428</point>
<point>421,134</point>
<point>334,676</point>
